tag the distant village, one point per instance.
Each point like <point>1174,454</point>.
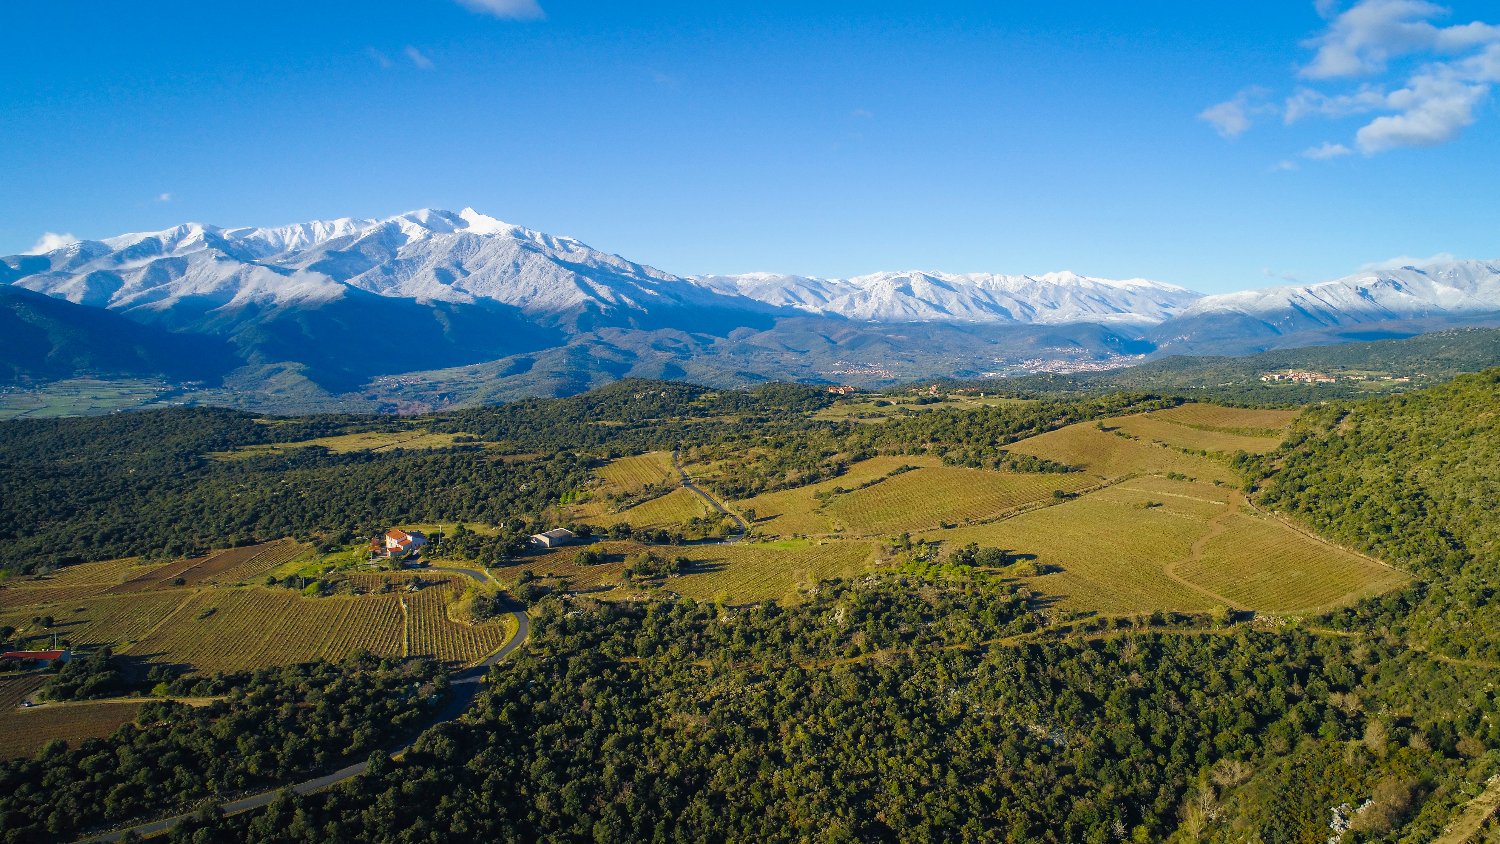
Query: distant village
<point>1305,376</point>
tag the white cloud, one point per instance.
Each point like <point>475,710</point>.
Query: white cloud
<point>418,58</point>
<point>1326,8</point>
<point>1286,165</point>
<point>862,113</point>
<point>1434,107</point>
<point>1455,68</point>
<point>509,9</point>
<point>1309,103</point>
<point>1326,151</point>
<point>50,241</point>
<point>164,197</point>
<point>379,58</point>
<point>1233,118</point>
<point>1363,39</point>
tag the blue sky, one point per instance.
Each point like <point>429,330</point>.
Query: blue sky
<point>1215,145</point>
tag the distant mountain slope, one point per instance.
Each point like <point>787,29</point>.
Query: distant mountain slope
<point>915,296</point>
<point>342,302</point>
<point>1372,303</point>
<point>47,339</point>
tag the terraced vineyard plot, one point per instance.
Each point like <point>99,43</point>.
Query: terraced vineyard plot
<point>161,577</point>
<point>102,620</point>
<point>795,511</point>
<point>1149,427</point>
<point>1230,419</point>
<point>23,732</point>
<point>743,573</point>
<point>1112,550</point>
<point>1107,455</point>
<point>925,498</point>
<point>1259,562</point>
<point>632,474</point>
<point>69,583</point>
<point>431,631</point>
<point>669,510</point>
<point>238,565</point>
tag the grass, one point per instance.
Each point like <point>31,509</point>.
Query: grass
<point>927,498</point>
<point>417,438</point>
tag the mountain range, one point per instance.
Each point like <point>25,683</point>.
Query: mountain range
<point>436,299</point>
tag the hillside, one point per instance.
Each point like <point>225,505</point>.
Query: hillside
<point>49,339</point>
<point>1057,618</point>
<point>434,308</point>
<point>1410,479</point>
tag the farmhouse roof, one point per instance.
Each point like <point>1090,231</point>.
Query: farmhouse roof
<point>39,655</point>
<point>558,533</point>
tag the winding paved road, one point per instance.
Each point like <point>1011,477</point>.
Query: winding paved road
<point>463,687</point>
<point>687,483</point>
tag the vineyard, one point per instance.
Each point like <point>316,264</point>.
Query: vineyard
<point>218,628</point>
<point>1257,562</point>
<point>795,511</point>
<point>68,584</point>
<point>1230,419</point>
<point>1109,547</point>
<point>25,731</point>
<point>1109,455</point>
<point>1151,428</point>
<point>1158,544</point>
<point>744,573</point>
<point>234,629</point>
<point>670,510</point>
<point>633,474</point>
<point>927,498</point>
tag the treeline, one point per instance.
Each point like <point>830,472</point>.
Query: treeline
<point>146,486</point>
<point>871,714</point>
<point>274,726</point>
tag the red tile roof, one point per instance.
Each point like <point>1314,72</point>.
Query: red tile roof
<point>48,655</point>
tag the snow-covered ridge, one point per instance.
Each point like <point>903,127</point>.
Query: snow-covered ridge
<point>1446,287</point>
<point>1051,298</point>
<point>196,273</point>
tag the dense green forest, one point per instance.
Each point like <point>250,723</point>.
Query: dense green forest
<point>874,712</point>
<point>271,726</point>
